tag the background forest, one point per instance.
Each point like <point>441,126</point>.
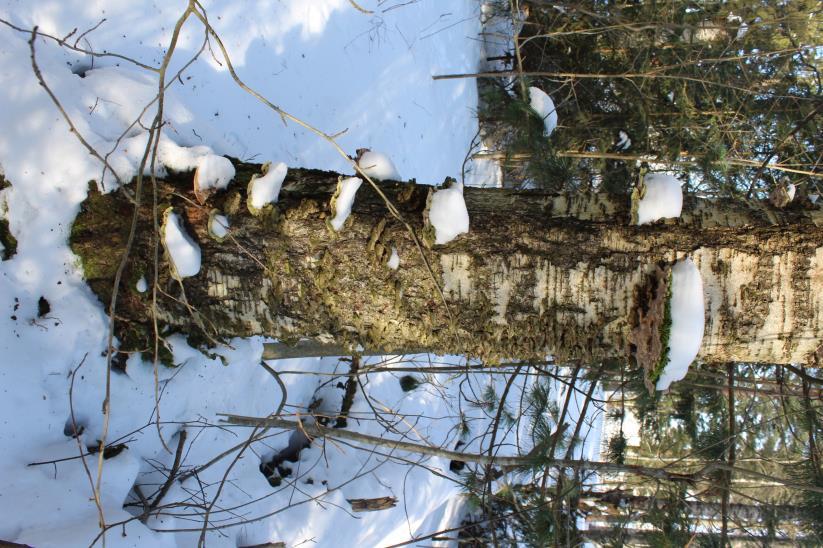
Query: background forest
<point>726,95</point>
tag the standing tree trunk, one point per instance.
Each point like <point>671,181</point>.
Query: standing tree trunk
<point>537,274</point>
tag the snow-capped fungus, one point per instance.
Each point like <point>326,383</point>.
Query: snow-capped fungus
<point>543,105</point>
<point>265,189</point>
<point>660,197</point>
<point>394,260</point>
<point>376,165</point>
<point>218,225</point>
<point>447,213</point>
<point>141,286</point>
<point>212,173</point>
<point>342,200</point>
<point>182,251</point>
<point>687,314</point>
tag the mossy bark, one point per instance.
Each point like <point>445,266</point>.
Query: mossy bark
<point>537,274</point>
<point>8,243</point>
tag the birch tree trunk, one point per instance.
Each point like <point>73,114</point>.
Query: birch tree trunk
<point>537,274</point>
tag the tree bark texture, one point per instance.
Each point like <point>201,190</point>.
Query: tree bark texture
<point>537,274</point>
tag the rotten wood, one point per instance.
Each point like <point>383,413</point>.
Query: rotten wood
<point>372,505</point>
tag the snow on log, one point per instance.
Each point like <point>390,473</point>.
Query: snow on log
<point>213,173</point>
<point>342,201</point>
<point>218,225</point>
<point>543,105</point>
<point>394,260</point>
<point>448,214</point>
<point>687,322</point>
<point>265,189</point>
<point>661,198</point>
<point>377,165</point>
<point>182,250</point>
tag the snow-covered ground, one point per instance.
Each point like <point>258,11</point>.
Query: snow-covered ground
<point>323,61</point>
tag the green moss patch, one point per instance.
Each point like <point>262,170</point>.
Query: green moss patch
<point>8,240</point>
<point>665,335</point>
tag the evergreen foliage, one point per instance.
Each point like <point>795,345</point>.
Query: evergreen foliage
<point>711,88</point>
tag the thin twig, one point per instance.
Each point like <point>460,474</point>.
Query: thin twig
<point>96,495</point>
<point>92,29</point>
<point>89,52</point>
<point>317,430</point>
<point>181,442</point>
<point>154,133</point>
<point>603,75</point>
<point>742,162</point>
<point>356,6</point>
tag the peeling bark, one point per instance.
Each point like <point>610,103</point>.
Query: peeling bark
<point>537,274</point>
<point>647,341</point>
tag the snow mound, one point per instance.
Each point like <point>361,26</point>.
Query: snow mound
<point>377,165</point>
<point>343,200</point>
<point>213,173</point>
<point>543,105</point>
<point>394,260</point>
<point>688,320</point>
<point>266,189</point>
<point>663,198</point>
<point>448,214</point>
<point>183,251</point>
